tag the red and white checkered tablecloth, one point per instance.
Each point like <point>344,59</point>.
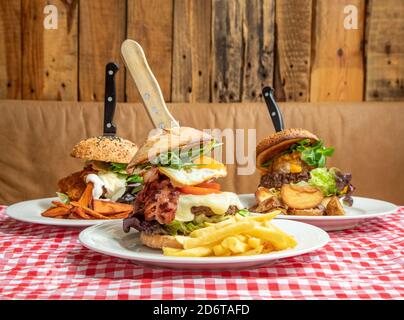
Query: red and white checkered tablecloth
<point>44,262</point>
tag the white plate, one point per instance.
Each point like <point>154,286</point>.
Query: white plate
<point>30,211</point>
<point>361,210</point>
<point>108,238</point>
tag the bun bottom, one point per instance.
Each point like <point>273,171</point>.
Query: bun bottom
<point>158,241</point>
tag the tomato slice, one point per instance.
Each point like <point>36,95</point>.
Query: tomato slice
<point>197,190</point>
<point>209,185</point>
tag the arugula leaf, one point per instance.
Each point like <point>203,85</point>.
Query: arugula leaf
<point>183,159</point>
<point>314,155</point>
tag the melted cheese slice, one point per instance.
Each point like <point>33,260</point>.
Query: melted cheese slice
<point>217,202</point>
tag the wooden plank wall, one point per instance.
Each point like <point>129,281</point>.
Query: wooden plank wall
<point>206,50</point>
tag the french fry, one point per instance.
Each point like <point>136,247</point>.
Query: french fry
<point>87,196</point>
<point>277,239</point>
<point>55,211</point>
<point>266,216</point>
<point>194,252</point>
<point>252,252</point>
<point>291,241</point>
<point>212,227</point>
<point>219,234</point>
<point>268,247</point>
<point>219,250</point>
<point>242,237</point>
<point>254,242</point>
<point>235,244</point>
<point>110,207</point>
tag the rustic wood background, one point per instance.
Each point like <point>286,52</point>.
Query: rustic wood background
<point>205,50</point>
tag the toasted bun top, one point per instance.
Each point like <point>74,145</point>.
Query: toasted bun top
<point>158,241</point>
<point>165,140</point>
<point>280,141</point>
<point>105,148</point>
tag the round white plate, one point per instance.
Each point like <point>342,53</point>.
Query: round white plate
<point>361,210</point>
<point>30,211</point>
<point>108,238</point>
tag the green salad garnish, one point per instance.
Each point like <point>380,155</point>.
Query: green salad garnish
<point>182,159</point>
<point>185,228</point>
<point>312,154</point>
<point>120,168</point>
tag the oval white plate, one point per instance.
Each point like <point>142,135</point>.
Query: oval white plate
<point>108,238</point>
<point>361,210</point>
<point>30,211</point>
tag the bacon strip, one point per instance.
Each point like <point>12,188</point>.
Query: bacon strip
<point>159,198</point>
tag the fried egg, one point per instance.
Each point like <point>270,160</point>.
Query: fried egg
<point>206,170</point>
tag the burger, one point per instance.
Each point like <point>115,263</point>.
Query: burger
<point>294,176</point>
<point>179,194</point>
<point>106,158</point>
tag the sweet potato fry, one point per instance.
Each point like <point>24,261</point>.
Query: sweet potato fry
<point>73,216</point>
<point>55,211</point>
<point>89,211</point>
<point>110,208</point>
<point>121,215</point>
<point>80,213</point>
<point>87,196</point>
<point>61,204</point>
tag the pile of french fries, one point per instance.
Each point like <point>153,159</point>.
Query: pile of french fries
<point>236,236</point>
<point>88,208</point>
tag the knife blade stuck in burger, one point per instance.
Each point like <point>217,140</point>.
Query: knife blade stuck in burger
<point>294,177</point>
<point>180,194</point>
<point>103,189</point>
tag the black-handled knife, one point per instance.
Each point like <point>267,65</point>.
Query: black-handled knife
<point>274,111</point>
<point>110,99</point>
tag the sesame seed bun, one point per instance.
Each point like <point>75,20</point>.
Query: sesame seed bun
<point>278,142</point>
<point>165,140</point>
<point>157,241</point>
<point>105,148</point>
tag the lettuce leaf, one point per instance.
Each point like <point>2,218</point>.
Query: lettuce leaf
<point>64,198</point>
<point>118,168</point>
<point>185,228</point>
<point>324,180</point>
